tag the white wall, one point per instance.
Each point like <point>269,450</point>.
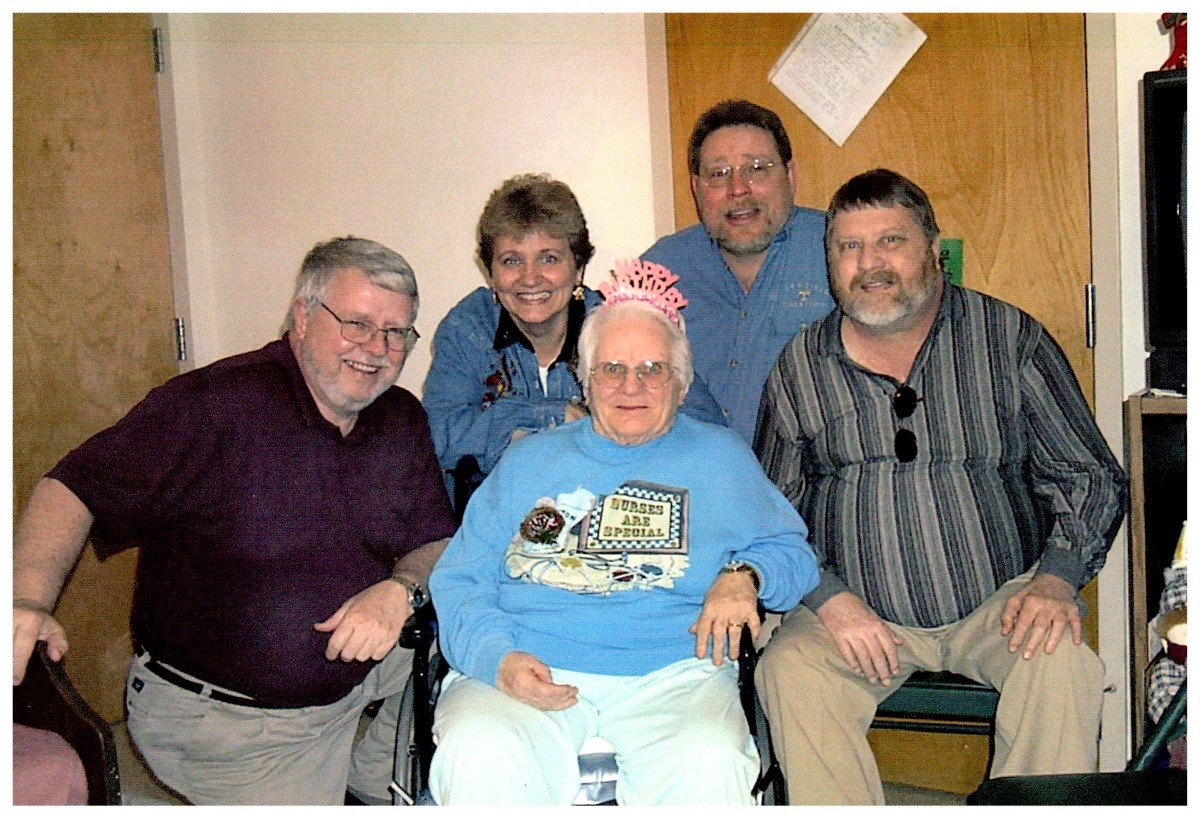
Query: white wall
<point>292,129</point>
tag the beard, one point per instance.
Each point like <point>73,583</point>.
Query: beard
<point>893,312</point>
<point>748,246</point>
<point>736,242</point>
<point>325,376</point>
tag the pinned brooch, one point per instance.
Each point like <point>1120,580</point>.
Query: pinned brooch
<point>497,384</point>
<point>542,525</point>
<point>495,389</point>
<point>638,280</point>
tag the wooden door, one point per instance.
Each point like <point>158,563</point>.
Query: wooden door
<point>92,301</point>
<point>990,119</point>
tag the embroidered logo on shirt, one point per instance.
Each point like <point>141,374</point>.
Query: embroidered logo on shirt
<point>635,536</point>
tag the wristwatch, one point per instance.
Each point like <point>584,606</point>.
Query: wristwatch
<point>417,597</point>
<point>736,566</point>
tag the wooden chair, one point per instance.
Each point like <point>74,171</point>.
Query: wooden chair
<point>46,699</point>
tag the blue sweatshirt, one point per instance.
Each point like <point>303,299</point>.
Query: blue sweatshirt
<point>596,557</point>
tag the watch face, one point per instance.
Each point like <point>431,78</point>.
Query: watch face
<point>417,597</point>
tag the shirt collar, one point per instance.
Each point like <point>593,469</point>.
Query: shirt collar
<point>508,333</point>
<point>786,229</point>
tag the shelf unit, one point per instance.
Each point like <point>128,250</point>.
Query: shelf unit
<point>1155,459</point>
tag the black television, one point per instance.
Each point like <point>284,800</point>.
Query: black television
<point>1164,180</point>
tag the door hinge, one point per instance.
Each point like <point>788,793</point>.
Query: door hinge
<point>157,45</point>
<point>180,340</point>
<point>1089,310</point>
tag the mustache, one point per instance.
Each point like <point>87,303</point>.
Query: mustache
<point>878,276</point>
<point>370,360</point>
<point>749,202</point>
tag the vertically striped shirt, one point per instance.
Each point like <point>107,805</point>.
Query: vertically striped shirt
<point>1010,467</point>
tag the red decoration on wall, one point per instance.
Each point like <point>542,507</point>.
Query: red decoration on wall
<point>1176,24</point>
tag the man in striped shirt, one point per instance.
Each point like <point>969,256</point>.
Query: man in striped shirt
<point>958,494</point>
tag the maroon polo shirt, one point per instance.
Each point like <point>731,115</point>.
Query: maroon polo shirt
<point>256,518</point>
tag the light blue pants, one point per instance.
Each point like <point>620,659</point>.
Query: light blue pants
<point>679,734</point>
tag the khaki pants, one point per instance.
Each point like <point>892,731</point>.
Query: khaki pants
<point>1047,721</point>
<point>214,753</point>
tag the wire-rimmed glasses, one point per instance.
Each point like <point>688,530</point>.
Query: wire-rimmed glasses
<point>755,170</point>
<point>653,375</point>
<point>397,339</point>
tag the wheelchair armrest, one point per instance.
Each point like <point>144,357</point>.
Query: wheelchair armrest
<point>419,634</point>
<point>466,476</point>
<point>747,661</point>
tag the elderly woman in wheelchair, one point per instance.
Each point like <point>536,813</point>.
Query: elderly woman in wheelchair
<point>600,581</point>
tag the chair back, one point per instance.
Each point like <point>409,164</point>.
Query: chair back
<point>46,699</point>
<point>466,477</point>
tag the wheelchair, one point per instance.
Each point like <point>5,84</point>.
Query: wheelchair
<point>597,763</point>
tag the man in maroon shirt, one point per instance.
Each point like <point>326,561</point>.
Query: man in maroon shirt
<point>288,507</point>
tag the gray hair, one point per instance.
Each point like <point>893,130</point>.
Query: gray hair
<point>605,315</point>
<point>382,267</point>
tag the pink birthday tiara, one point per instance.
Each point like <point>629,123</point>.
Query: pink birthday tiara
<point>638,280</point>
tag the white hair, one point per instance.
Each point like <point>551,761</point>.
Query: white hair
<point>600,318</point>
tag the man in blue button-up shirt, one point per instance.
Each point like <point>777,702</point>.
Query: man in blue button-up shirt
<point>753,270</point>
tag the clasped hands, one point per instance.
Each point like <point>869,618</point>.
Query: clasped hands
<point>1039,615</point>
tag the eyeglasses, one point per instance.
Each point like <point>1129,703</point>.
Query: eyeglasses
<point>904,403</point>
<point>653,375</point>
<point>397,339</point>
<point>754,170</point>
